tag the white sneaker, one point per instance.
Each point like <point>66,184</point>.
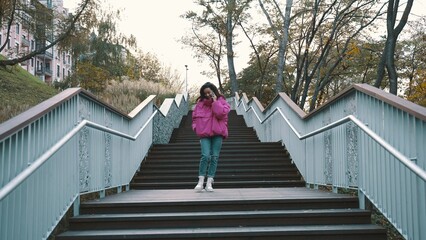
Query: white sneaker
<point>200,184</point>
<point>209,187</point>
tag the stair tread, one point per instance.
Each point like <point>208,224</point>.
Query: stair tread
<point>222,164</point>
<point>233,143</point>
<point>286,170</point>
<point>234,182</point>
<point>223,214</point>
<point>281,230</point>
<point>224,175</point>
<point>238,195</point>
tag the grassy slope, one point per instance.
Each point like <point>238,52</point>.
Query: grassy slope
<point>19,90</point>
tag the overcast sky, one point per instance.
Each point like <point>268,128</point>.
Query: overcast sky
<point>157,26</point>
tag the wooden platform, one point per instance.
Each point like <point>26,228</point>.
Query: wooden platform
<point>183,195</point>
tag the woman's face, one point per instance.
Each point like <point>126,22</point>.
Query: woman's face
<point>208,93</point>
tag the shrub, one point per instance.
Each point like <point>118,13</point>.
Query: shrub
<point>126,95</point>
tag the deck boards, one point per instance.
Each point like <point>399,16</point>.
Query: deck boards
<point>177,195</point>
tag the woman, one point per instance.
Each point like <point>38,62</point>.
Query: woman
<point>210,123</point>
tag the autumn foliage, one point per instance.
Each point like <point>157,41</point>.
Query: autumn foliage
<point>92,78</point>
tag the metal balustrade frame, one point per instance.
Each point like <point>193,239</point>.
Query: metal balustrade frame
<point>69,145</point>
<point>364,139</point>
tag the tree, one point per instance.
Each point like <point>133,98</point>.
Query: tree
<point>150,67</point>
<point>42,16</point>
<point>171,79</point>
<point>108,47</point>
<point>326,33</point>
<point>147,66</point>
<point>222,17</point>
<point>231,12</point>
<point>411,62</point>
<point>206,45</point>
<point>92,78</point>
<point>258,78</point>
<point>281,35</point>
<point>388,56</point>
<point>259,64</point>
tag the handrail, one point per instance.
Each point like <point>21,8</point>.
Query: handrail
<point>11,125</point>
<point>403,159</point>
<point>16,181</point>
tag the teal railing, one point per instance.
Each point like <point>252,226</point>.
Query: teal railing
<point>362,139</point>
<point>69,145</point>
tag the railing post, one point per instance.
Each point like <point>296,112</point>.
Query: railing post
<point>361,199</point>
<point>76,206</point>
<point>102,193</point>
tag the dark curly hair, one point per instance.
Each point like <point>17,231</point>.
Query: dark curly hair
<point>212,87</point>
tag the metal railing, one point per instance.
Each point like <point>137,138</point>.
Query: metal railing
<point>69,145</point>
<point>25,42</point>
<point>44,71</point>
<point>364,139</point>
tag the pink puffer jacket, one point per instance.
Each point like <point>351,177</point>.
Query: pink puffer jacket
<point>210,118</point>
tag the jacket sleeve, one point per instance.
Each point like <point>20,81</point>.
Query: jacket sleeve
<point>220,108</point>
<point>194,116</point>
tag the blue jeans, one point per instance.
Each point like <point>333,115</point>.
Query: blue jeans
<point>210,149</point>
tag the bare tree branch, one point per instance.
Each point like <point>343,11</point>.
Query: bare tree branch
<point>43,49</point>
<point>268,17</point>
<point>9,25</point>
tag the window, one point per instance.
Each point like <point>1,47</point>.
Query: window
<point>69,59</point>
<point>58,70</point>
<point>17,28</point>
<point>32,62</point>
<point>17,48</point>
<point>0,40</point>
<point>8,43</point>
<point>63,73</point>
<point>63,57</point>
<point>32,45</point>
<point>69,73</point>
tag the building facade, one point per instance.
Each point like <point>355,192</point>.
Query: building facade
<point>53,65</point>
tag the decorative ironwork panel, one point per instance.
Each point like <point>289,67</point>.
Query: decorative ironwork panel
<point>350,105</point>
<point>83,109</point>
<point>164,125</point>
<point>83,146</point>
<point>328,154</point>
<point>108,152</point>
<point>161,129</point>
<point>84,167</point>
<point>352,144</point>
<point>328,158</point>
<point>352,154</point>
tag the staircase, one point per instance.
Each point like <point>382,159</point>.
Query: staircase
<point>259,194</point>
<point>244,162</point>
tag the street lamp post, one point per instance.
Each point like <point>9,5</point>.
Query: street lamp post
<point>186,79</point>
